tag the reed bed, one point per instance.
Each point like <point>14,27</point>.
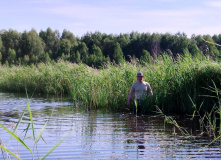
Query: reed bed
<point>176,83</point>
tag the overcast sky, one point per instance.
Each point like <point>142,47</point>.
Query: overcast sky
<point>113,16</point>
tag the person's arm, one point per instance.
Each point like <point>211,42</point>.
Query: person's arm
<point>129,97</point>
<point>151,94</point>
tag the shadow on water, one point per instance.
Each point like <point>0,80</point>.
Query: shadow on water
<point>101,134</point>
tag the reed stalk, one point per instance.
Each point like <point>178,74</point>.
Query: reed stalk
<point>172,81</point>
<point>36,139</point>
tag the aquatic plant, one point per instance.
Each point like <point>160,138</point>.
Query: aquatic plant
<point>36,138</point>
<point>173,80</point>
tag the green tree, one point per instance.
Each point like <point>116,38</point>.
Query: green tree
<point>70,36</point>
<point>167,42</point>
<point>212,48</point>
<point>52,42</point>
<point>45,58</point>
<point>1,49</point>
<point>1,46</point>
<point>10,39</point>
<point>34,59</point>
<point>31,44</point>
<point>118,54</point>
<point>83,51</point>
<point>26,60</point>
<point>206,48</point>
<point>75,57</point>
<point>108,45</point>
<point>145,57</point>
<point>65,47</point>
<point>217,40</point>
<point>182,42</point>
<point>134,36</point>
<point>11,56</point>
<point>91,39</point>
<point>0,57</point>
<point>123,40</point>
<point>98,56</point>
<point>194,50</point>
<point>6,63</point>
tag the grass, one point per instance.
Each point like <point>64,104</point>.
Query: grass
<point>172,82</point>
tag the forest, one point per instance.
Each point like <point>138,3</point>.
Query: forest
<point>94,49</point>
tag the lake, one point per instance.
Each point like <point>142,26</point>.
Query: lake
<point>98,134</point>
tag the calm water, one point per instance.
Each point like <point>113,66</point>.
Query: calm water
<point>97,134</point>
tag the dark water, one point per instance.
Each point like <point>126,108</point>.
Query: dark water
<point>97,134</point>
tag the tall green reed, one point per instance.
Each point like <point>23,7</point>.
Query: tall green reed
<point>172,81</point>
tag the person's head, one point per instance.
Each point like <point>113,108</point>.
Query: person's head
<point>140,76</point>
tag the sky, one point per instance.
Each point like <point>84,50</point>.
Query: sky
<point>113,16</point>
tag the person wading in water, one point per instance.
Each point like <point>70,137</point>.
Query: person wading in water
<point>141,89</point>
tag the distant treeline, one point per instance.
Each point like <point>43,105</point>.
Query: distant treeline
<point>95,48</point>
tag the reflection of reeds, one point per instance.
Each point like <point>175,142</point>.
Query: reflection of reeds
<point>208,119</point>
<point>170,120</point>
<point>172,81</point>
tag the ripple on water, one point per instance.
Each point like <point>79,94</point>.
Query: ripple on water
<point>97,135</point>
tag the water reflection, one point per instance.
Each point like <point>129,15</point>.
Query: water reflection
<point>99,134</point>
<point>137,132</point>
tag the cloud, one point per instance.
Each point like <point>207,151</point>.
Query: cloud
<point>112,16</point>
<point>74,11</point>
<point>173,13</point>
<point>213,3</point>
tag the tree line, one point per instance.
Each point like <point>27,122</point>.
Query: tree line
<point>95,48</point>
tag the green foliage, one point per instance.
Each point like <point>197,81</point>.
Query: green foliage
<point>217,40</point>
<point>31,44</point>
<point>194,50</point>
<point>182,42</point>
<point>172,81</point>
<point>0,57</point>
<point>6,63</point>
<point>113,46</point>
<point>26,60</point>
<point>83,51</point>
<point>45,58</point>
<point>96,58</point>
<point>145,57</point>
<point>118,54</point>
<point>123,40</point>
<point>1,45</point>
<point>69,36</point>
<point>17,138</point>
<point>11,40</point>
<point>52,41</point>
<point>36,139</point>
<point>75,57</point>
<point>11,56</point>
<point>65,47</point>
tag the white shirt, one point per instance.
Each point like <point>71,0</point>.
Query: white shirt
<point>140,89</point>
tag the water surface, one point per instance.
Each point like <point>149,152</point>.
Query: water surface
<point>98,134</point>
